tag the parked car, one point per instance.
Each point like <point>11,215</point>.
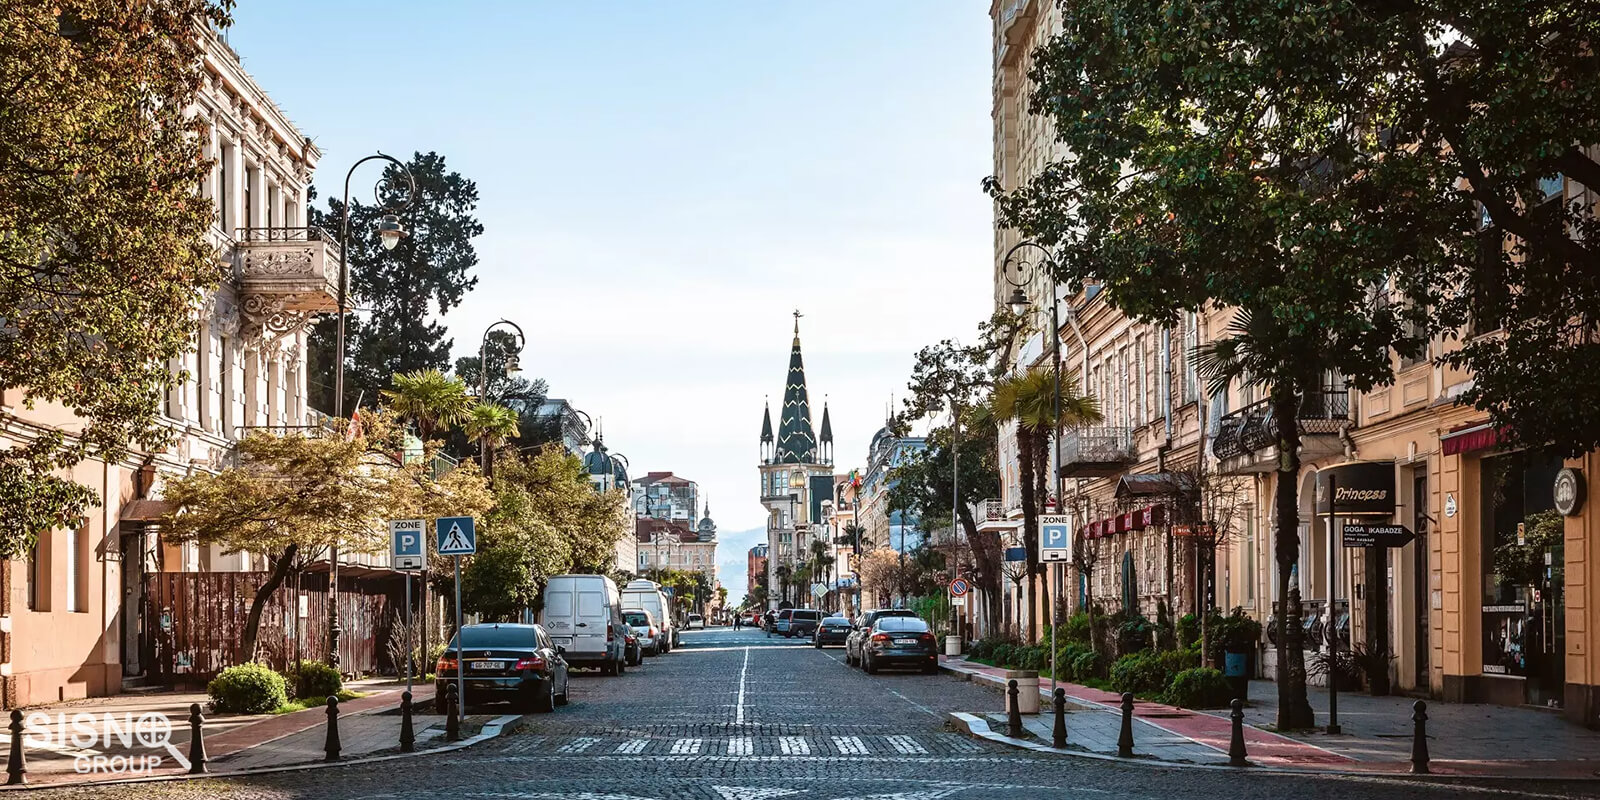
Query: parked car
<point>862,625</point>
<point>583,613</point>
<point>647,594</point>
<point>899,642</point>
<point>696,621</point>
<point>632,652</point>
<point>644,627</point>
<point>832,630</point>
<point>504,661</point>
<point>798,622</point>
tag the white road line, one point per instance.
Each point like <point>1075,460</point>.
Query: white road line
<point>578,745</point>
<point>741,746</point>
<point>906,744</point>
<point>793,746</point>
<point>633,746</point>
<point>914,704</point>
<point>850,745</point>
<point>686,747</point>
<point>739,715</point>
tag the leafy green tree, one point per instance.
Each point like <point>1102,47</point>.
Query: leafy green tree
<point>103,253</point>
<point>401,289</point>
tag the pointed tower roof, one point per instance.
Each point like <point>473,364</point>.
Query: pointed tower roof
<point>766,423</point>
<point>826,434</point>
<point>797,443</point>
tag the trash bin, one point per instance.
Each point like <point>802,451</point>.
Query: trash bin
<point>952,645</point>
<point>1027,690</point>
<point>1236,669</point>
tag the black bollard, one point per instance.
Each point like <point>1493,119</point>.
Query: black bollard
<point>1125,738</point>
<point>1059,735</point>
<point>452,720</point>
<point>16,763</point>
<point>1236,754</point>
<point>1419,738</point>
<point>1013,711</point>
<point>331,746</point>
<point>197,740</point>
<point>408,736</point>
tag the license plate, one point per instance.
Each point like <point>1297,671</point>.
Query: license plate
<point>905,641</point>
<point>484,665</point>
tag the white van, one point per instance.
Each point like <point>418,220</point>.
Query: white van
<point>647,594</point>
<point>583,615</point>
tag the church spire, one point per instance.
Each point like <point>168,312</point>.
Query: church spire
<point>797,443</point>
<point>766,423</point>
<point>826,433</point>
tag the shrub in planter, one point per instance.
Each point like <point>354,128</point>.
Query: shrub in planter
<point>247,689</point>
<point>1140,673</point>
<point>1200,687</point>
<point>1236,632</point>
<point>313,679</point>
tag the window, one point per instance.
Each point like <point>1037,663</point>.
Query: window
<point>1248,565</point>
<point>248,217</point>
<point>1489,291</point>
<point>77,579</point>
<point>1191,343</point>
<point>39,575</point>
<point>225,214</point>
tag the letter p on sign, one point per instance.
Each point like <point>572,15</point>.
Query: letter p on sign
<point>405,540</point>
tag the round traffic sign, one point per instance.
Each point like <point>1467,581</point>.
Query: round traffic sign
<point>959,587</point>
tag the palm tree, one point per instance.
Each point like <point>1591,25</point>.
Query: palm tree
<point>784,572</point>
<point>430,399</point>
<point>1259,351</point>
<point>1029,400</point>
<point>491,424</point>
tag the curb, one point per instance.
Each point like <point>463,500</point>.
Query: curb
<point>976,727</point>
<point>491,729</point>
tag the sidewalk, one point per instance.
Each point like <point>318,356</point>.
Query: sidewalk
<point>234,743</point>
<point>1463,739</point>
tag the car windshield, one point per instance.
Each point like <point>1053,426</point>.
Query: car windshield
<point>902,625</point>
<point>495,636</point>
<point>636,618</point>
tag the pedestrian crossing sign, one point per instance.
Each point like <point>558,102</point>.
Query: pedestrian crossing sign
<point>456,536</point>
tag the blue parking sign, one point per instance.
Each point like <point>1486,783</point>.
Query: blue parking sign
<point>1055,537</point>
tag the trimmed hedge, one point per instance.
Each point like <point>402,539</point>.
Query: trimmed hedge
<point>1140,673</point>
<point>1201,687</point>
<point>247,689</point>
<point>313,679</point>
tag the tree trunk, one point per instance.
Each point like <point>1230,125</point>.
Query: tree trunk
<point>1041,472</point>
<point>281,567</point>
<point>985,547</point>
<point>1294,710</point>
<point>1030,524</point>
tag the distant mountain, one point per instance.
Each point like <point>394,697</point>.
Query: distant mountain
<point>732,550</point>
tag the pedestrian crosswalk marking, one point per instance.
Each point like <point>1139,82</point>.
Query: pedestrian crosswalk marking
<point>633,746</point>
<point>741,746</point>
<point>850,745</point>
<point>907,745</point>
<point>686,747</point>
<point>578,745</point>
<point>793,746</point>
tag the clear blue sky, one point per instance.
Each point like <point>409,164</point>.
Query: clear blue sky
<point>662,183</point>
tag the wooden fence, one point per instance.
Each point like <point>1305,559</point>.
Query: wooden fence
<point>194,621</point>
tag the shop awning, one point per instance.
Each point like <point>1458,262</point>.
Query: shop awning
<point>146,510</point>
<point>1471,438</point>
<point>1154,484</point>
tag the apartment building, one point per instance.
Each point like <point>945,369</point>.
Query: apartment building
<point>73,621</point>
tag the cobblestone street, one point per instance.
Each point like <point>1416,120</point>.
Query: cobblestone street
<point>744,717</point>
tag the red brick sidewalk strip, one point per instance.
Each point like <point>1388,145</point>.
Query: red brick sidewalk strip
<point>273,728</point>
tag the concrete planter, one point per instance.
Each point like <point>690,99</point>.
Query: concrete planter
<point>1027,690</point>
<point>952,645</point>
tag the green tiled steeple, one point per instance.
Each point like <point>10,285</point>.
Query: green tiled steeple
<point>797,443</point>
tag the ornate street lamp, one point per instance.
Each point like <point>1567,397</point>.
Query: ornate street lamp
<point>511,366</point>
<point>391,232</point>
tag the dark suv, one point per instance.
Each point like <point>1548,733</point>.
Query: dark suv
<point>798,622</point>
<point>863,627</point>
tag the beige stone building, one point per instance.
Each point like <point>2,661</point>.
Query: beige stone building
<point>71,623</point>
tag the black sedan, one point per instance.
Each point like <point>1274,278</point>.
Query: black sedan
<point>833,630</point>
<point>899,642</point>
<point>515,663</point>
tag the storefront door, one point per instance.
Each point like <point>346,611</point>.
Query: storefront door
<point>1420,576</point>
<point>1523,626</point>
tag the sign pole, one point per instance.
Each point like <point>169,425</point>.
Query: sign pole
<point>1330,627</point>
<point>461,666</point>
<point>409,648</point>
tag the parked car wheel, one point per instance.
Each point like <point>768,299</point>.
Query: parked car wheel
<point>930,668</point>
<point>866,664</point>
<point>544,698</point>
<point>819,644</point>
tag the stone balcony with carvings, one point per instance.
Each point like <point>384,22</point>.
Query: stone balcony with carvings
<point>287,277</point>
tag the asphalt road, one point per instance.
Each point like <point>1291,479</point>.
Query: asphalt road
<point>745,717</point>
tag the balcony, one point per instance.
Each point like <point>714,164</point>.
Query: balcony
<point>992,515</point>
<point>1096,452</point>
<point>1246,440</point>
<point>287,277</point>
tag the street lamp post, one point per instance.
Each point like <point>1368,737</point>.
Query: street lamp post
<point>483,377</point>
<point>391,232</point>
<point>1025,259</point>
